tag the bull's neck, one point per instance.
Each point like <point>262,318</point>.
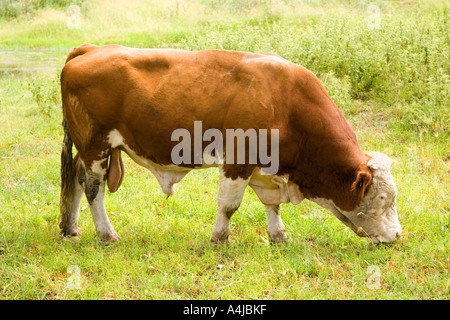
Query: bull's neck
<point>327,169</point>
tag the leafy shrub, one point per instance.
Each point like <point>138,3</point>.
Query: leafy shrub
<point>14,8</point>
<point>54,3</point>
<point>45,90</point>
<point>339,90</point>
<point>10,9</point>
<point>404,61</point>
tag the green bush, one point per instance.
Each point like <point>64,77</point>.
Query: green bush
<point>339,90</point>
<point>54,3</point>
<point>14,8</point>
<point>404,61</point>
<point>10,9</point>
<point>45,91</point>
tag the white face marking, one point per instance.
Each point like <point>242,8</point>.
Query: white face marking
<point>379,161</point>
<point>376,216</point>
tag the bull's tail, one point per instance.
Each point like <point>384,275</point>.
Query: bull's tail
<point>67,178</point>
<point>68,165</point>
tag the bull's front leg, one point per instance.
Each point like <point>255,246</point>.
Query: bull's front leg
<point>229,198</point>
<point>276,228</point>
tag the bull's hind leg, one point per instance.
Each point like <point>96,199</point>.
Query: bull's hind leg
<point>93,179</point>
<point>229,198</point>
<point>69,223</point>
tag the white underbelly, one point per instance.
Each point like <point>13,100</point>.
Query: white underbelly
<point>167,175</point>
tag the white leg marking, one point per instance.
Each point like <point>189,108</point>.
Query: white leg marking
<point>101,220</point>
<point>221,228</point>
<point>229,198</point>
<point>277,230</point>
<point>75,209</point>
<point>97,167</point>
<point>95,193</point>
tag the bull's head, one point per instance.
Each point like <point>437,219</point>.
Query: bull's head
<point>376,215</point>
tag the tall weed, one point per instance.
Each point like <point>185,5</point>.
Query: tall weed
<point>45,91</point>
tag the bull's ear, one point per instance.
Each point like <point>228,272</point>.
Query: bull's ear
<point>379,161</point>
<point>362,181</point>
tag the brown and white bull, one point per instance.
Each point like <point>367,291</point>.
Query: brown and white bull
<point>124,99</point>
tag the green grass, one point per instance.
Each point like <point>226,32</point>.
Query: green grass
<point>398,106</point>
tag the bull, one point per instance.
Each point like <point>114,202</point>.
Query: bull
<point>117,99</point>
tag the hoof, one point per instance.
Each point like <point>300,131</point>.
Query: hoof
<point>109,238</point>
<point>220,235</point>
<point>70,233</point>
<point>278,238</point>
<point>219,240</point>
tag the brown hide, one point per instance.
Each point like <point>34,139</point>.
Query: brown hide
<point>146,94</point>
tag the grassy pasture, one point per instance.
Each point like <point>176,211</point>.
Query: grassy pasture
<point>392,82</point>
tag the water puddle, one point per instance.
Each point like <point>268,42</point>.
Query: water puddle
<point>31,61</point>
